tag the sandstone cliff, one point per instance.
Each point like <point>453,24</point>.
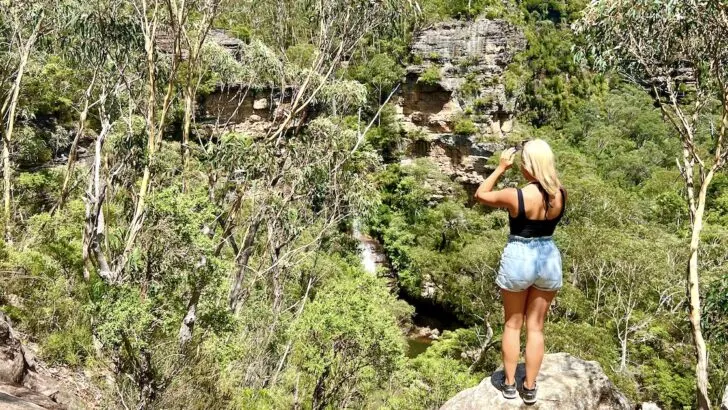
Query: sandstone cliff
<point>467,60</point>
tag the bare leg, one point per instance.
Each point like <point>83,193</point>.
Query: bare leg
<point>514,306</point>
<point>537,307</point>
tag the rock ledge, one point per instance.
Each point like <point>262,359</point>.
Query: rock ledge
<point>565,383</point>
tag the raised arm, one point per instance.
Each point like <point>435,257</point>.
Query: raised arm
<point>505,198</point>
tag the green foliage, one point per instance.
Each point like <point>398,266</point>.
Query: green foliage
<point>558,11</point>
<point>439,369</point>
<point>68,346</point>
<point>431,75</point>
<point>464,126</point>
<point>386,137</point>
<point>54,90</point>
<point>347,340</point>
<point>463,9</point>
<point>381,72</point>
<point>715,316</point>
<point>302,55</point>
<point>483,104</point>
<point>470,88</point>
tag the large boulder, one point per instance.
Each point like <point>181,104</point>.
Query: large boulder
<point>564,383</point>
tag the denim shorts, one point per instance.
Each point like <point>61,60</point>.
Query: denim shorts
<point>530,262</point>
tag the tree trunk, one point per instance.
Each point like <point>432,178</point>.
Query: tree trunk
<point>247,250</point>
<point>7,138</point>
<point>623,359</point>
<point>701,370</point>
<point>189,106</point>
<point>6,191</point>
<point>94,229</point>
<point>74,147</point>
<point>319,392</point>
<point>188,323</point>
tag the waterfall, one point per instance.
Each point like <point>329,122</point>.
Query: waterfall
<point>367,249</point>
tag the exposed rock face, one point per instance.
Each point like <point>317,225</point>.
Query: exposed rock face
<point>12,360</point>
<point>461,157</point>
<point>471,58</point>
<point>22,384</point>
<point>724,402</point>
<point>564,383</point>
<point>474,53</point>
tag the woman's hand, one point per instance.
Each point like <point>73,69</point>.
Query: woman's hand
<point>506,158</point>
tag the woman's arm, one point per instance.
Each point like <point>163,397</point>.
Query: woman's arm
<point>505,198</point>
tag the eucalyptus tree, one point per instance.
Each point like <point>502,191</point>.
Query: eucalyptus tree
<point>21,25</point>
<point>151,17</point>
<point>194,30</point>
<point>96,42</point>
<point>676,51</point>
<point>332,30</point>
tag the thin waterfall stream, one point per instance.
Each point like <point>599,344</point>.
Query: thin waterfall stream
<point>429,320</point>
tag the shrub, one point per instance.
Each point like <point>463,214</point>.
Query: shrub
<point>464,126</point>
<point>430,76</point>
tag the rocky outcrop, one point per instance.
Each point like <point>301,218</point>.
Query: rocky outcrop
<point>564,383</point>
<point>461,157</point>
<point>459,80</point>
<point>461,69</point>
<point>724,402</point>
<point>23,384</point>
<point>243,109</point>
<point>423,333</point>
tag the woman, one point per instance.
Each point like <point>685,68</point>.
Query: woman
<point>530,268</point>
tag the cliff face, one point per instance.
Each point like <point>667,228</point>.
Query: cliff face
<point>564,383</point>
<point>460,81</point>
<point>461,69</point>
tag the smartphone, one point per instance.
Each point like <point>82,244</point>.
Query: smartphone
<point>519,146</point>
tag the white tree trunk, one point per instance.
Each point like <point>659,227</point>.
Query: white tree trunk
<point>8,137</point>
<point>701,370</point>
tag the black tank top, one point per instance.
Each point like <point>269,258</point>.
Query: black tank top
<point>529,228</point>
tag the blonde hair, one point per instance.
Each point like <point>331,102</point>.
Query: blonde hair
<point>538,160</point>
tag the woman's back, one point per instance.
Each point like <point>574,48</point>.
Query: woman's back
<point>533,201</point>
<point>537,214</point>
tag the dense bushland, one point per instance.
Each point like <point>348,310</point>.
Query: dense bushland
<point>207,267</point>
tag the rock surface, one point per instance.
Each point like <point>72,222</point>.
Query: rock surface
<point>471,58</point>
<point>26,384</point>
<point>724,402</point>
<point>461,157</point>
<point>475,53</point>
<point>564,383</point>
